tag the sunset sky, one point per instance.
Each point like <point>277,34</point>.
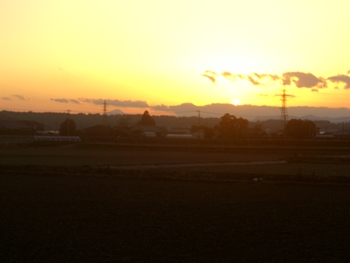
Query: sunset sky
<point>74,54</point>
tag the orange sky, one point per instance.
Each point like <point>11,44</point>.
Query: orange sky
<point>60,55</point>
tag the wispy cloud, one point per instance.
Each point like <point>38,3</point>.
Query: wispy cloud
<point>253,81</point>
<point>74,101</point>
<point>211,78</point>
<point>20,97</point>
<point>117,103</point>
<point>61,100</point>
<point>5,98</point>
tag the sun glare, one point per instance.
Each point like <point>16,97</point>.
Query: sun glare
<point>236,102</point>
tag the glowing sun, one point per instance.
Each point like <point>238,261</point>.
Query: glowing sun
<point>236,102</point>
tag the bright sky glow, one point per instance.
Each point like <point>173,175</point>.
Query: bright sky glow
<point>68,54</point>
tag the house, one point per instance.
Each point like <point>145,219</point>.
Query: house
<point>148,131</point>
<point>20,127</point>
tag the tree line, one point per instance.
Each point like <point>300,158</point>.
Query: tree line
<point>229,127</point>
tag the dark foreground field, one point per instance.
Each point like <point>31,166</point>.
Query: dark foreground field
<point>62,217</point>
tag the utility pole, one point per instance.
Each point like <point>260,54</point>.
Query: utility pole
<point>199,123</point>
<point>105,112</point>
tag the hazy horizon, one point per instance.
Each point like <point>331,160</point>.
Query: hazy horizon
<point>216,110</point>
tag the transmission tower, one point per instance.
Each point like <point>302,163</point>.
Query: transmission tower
<point>284,111</point>
<point>105,113</point>
<point>199,117</point>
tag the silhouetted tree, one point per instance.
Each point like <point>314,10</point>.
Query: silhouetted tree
<point>231,127</point>
<point>68,128</point>
<point>147,120</point>
<point>300,129</point>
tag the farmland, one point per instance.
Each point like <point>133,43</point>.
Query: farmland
<point>144,204</point>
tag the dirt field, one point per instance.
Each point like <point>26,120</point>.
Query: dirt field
<point>97,217</point>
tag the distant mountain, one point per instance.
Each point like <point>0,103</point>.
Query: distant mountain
<point>317,118</point>
<point>115,112</point>
<point>255,113</point>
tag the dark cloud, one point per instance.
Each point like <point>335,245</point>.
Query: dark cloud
<point>212,78</point>
<point>6,98</point>
<point>211,75</point>
<point>60,100</point>
<point>118,103</point>
<point>341,79</point>
<point>74,101</point>
<point>287,95</point>
<point>303,80</point>
<point>19,97</point>
<point>314,90</point>
<point>228,75</point>
<point>348,71</point>
<point>274,77</point>
<point>258,75</point>
<point>253,81</point>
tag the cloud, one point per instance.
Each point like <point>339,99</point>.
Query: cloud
<point>274,77</point>
<point>342,79</point>
<point>61,100</point>
<point>303,80</point>
<point>287,95</point>
<point>210,72</point>
<point>118,103</point>
<point>253,81</point>
<point>233,77</point>
<point>5,98</point>
<point>211,75</point>
<point>74,101</point>
<point>228,75</point>
<point>160,107</point>
<point>255,78</point>
<point>294,78</point>
<point>212,79</point>
<point>19,97</point>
